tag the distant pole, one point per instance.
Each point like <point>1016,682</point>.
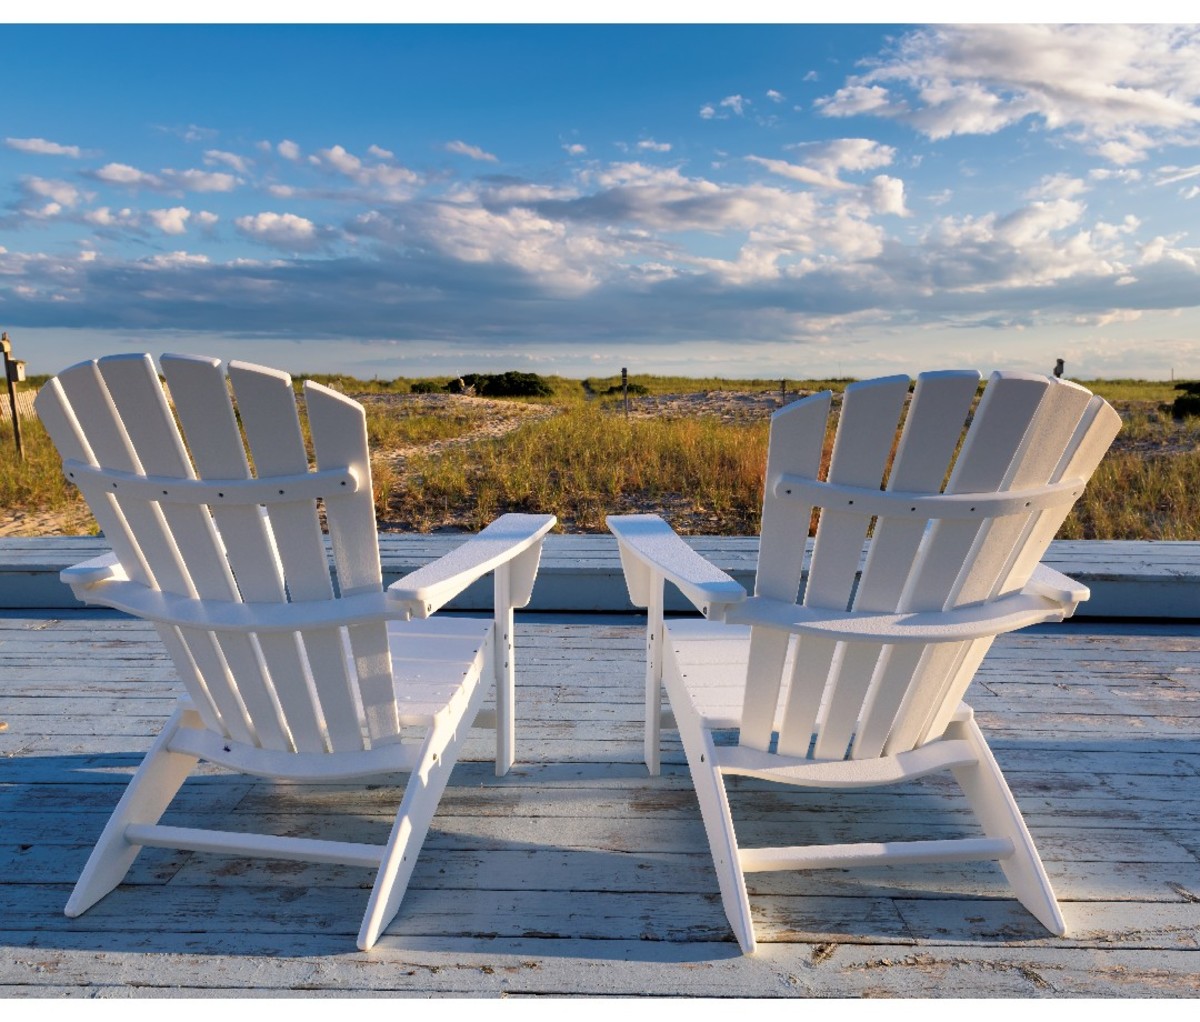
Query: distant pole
<point>625,389</point>
<point>782,391</point>
<point>14,371</point>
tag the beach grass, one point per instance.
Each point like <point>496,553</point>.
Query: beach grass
<point>588,460</point>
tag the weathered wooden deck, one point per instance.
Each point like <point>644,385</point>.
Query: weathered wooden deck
<point>579,875</point>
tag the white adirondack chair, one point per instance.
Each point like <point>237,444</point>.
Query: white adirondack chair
<point>850,686</point>
<point>286,677</point>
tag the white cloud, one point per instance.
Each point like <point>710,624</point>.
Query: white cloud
<point>283,230</point>
<point>238,163</point>
<point>206,220</point>
<point>104,216</point>
<point>852,154</point>
<point>887,195</point>
<point>1057,186</point>
<point>123,174</point>
<point>648,144</point>
<point>1126,175</point>
<point>855,99</point>
<point>380,153</point>
<point>1121,90</point>
<point>1190,193</point>
<point>730,106</point>
<point>43,147</point>
<point>199,180</point>
<point>62,193</point>
<point>338,158</point>
<point>798,172</point>
<point>386,181</point>
<point>1173,175</point>
<point>175,260</point>
<point>288,150</point>
<point>575,149</point>
<point>471,151</point>
<point>774,96</point>
<point>170,221</point>
<point>736,103</point>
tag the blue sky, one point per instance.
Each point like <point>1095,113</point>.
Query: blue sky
<point>770,200</point>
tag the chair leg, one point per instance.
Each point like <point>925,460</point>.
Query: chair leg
<point>150,791</point>
<point>996,809</point>
<point>421,797</point>
<point>714,809</point>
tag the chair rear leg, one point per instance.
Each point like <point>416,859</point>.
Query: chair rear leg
<point>996,809</point>
<point>439,753</point>
<point>714,809</point>
<point>150,791</point>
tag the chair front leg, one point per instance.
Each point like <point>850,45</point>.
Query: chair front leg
<point>505,671</point>
<point>652,743</point>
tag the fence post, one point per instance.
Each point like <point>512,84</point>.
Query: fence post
<point>14,372</point>
<point>625,389</point>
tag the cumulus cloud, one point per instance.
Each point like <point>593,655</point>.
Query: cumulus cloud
<point>730,106</point>
<point>63,193</point>
<point>43,147</point>
<point>775,96</point>
<point>649,145</point>
<point>281,230</point>
<point>170,221</point>
<point>238,163</point>
<point>471,151</point>
<point>886,196</point>
<point>288,150</point>
<point>206,219</point>
<point>104,216</point>
<point>127,176</point>
<point>380,153</point>
<point>574,149</point>
<point>382,181</point>
<point>1121,90</point>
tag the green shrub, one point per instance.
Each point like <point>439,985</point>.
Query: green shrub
<point>509,384</point>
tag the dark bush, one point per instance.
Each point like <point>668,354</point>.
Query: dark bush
<point>636,389</point>
<point>1185,405</point>
<point>425,387</point>
<point>510,384</point>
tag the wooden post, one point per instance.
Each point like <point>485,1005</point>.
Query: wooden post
<point>783,392</point>
<point>13,373</point>
<point>625,389</point>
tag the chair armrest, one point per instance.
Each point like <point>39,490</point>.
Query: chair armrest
<point>650,548</point>
<point>509,536</point>
<point>1054,585</point>
<point>104,568</point>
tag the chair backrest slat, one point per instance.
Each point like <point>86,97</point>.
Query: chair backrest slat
<point>339,433</point>
<point>142,539</point>
<point>204,407</point>
<point>138,397</point>
<point>866,431</point>
<point>797,443</point>
<point>267,404</point>
<point>1002,441</point>
<point>56,413</point>
<point>1094,432</point>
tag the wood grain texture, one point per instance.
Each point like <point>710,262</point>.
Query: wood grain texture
<point>579,875</point>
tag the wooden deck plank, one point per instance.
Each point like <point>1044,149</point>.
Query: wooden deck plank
<point>578,875</point>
